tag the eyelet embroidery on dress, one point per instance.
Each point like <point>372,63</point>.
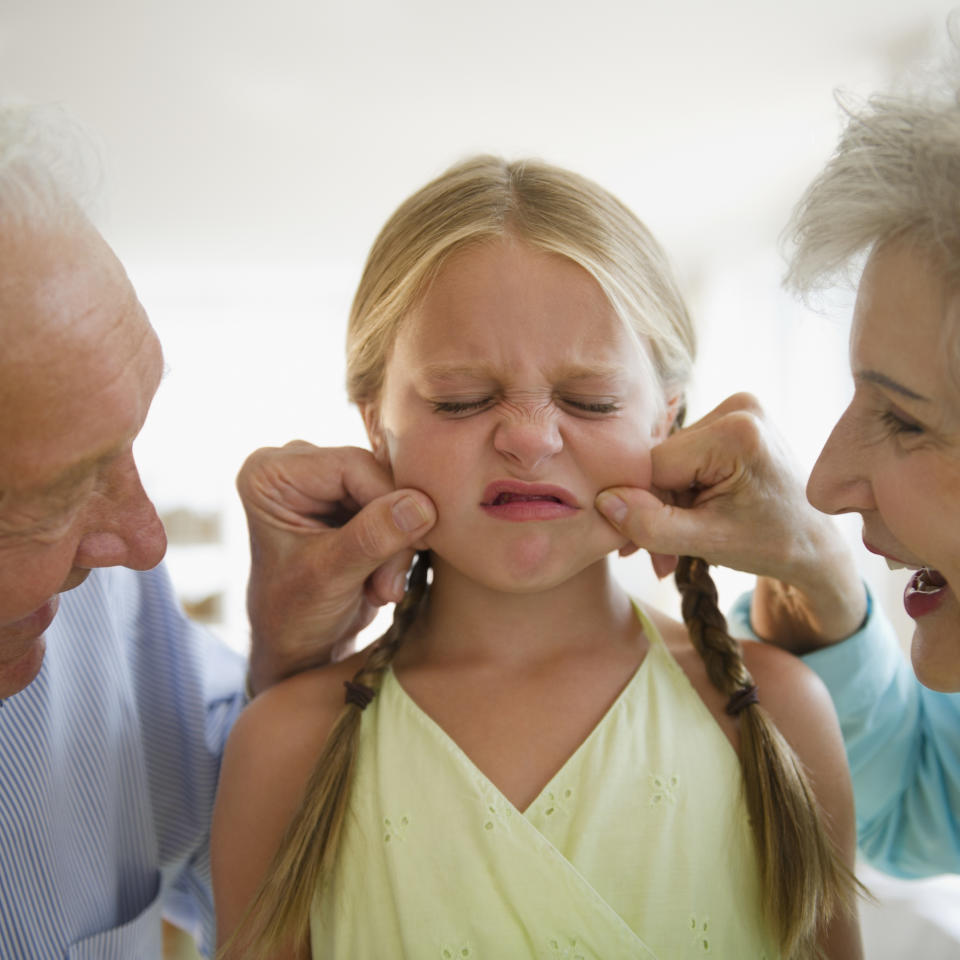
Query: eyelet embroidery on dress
<point>554,803</point>
<point>394,831</point>
<point>700,938</point>
<point>496,812</point>
<point>566,949</point>
<point>456,953</point>
<point>663,789</point>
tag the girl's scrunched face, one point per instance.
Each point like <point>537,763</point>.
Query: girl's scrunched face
<point>512,396</point>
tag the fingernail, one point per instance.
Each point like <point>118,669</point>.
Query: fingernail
<point>399,586</point>
<point>408,515</point>
<point>612,507</point>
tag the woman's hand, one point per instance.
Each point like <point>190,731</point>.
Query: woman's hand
<point>726,489</point>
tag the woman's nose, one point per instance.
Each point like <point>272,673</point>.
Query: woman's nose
<point>840,481</point>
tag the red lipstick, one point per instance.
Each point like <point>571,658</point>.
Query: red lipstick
<point>925,592</point>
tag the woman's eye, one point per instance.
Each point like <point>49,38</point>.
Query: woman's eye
<point>592,406</point>
<point>898,425</point>
<point>460,406</point>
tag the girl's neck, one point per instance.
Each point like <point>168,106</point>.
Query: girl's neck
<point>466,621</point>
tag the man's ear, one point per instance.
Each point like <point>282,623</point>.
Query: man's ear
<point>375,434</point>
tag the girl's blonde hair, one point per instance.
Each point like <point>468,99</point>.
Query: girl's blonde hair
<point>477,201</point>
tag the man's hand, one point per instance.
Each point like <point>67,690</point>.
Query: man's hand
<point>330,541</point>
<point>727,491</point>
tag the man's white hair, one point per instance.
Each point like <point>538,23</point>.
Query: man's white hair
<point>49,167</point>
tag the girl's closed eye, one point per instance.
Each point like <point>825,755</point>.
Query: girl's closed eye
<point>463,406</point>
<point>595,406</point>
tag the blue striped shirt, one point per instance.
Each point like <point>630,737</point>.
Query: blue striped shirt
<point>109,769</point>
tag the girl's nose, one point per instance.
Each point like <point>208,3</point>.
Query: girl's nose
<point>528,439</point>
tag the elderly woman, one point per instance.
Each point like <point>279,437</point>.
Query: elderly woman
<point>891,192</point>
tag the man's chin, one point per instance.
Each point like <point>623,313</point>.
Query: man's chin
<point>22,646</point>
<point>19,673</point>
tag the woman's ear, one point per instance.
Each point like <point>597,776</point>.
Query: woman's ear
<point>378,444</point>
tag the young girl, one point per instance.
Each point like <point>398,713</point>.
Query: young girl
<point>528,763</point>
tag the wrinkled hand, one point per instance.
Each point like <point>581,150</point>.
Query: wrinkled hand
<point>726,489</point>
<point>330,541</point>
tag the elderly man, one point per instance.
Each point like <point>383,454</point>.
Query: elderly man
<point>114,707</point>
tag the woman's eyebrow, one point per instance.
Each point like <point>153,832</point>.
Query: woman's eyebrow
<point>882,380</point>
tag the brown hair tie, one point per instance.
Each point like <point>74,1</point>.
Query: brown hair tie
<point>359,694</point>
<point>742,699</point>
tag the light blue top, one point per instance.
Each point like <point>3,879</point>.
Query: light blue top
<point>903,746</point>
<point>108,768</point>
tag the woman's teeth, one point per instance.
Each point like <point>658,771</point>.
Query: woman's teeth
<point>926,580</point>
<point>896,565</point>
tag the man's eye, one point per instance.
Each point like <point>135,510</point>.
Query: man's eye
<point>460,406</point>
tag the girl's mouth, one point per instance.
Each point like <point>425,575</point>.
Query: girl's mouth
<point>925,592</point>
<point>504,498</point>
<point>519,501</point>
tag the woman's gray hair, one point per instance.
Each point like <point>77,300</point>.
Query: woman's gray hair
<point>895,174</point>
<point>49,167</point>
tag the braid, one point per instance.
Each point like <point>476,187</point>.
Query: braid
<point>308,850</point>
<point>805,881</point>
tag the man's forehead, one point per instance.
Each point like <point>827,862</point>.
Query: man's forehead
<point>61,292</point>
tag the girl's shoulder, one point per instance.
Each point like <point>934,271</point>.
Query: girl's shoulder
<point>298,712</point>
<point>795,697</point>
<point>270,754</point>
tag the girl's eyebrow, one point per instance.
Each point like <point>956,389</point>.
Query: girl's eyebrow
<point>598,371</point>
<point>481,371</point>
<point>882,380</point>
<point>438,372</point>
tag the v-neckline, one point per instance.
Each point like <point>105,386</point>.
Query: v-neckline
<point>653,640</point>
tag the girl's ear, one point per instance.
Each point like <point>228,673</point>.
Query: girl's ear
<point>378,444</point>
<point>672,418</point>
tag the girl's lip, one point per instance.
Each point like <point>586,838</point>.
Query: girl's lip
<point>516,491</point>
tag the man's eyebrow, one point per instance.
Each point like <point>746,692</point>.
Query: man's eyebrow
<point>882,380</point>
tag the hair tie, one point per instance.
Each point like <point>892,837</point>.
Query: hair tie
<point>359,694</point>
<point>742,699</point>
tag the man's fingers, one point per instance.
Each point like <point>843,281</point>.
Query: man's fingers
<point>385,527</point>
<point>300,480</point>
<point>388,582</point>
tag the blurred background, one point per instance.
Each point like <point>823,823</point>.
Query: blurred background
<point>250,153</point>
